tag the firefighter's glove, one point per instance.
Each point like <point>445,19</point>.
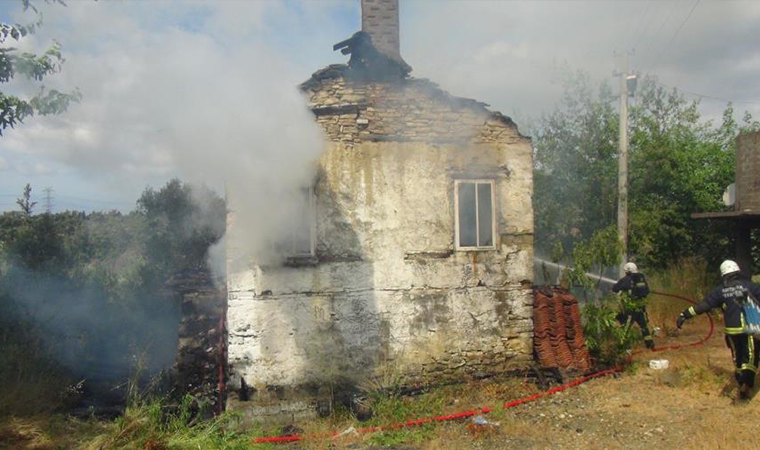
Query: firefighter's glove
<point>681,319</point>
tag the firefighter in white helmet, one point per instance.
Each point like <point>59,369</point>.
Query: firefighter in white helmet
<point>733,297</point>
<point>634,286</point>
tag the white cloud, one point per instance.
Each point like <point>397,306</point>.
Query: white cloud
<point>508,53</point>
<point>156,99</point>
<point>40,168</point>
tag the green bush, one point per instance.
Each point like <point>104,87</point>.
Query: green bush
<point>607,341</point>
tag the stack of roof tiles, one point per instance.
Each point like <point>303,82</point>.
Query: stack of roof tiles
<point>558,331</point>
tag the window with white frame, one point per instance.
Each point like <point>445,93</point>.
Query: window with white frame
<point>475,220</point>
<point>300,236</point>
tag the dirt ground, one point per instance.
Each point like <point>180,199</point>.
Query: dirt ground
<point>691,405</point>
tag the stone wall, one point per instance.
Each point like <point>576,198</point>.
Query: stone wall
<point>409,110</point>
<point>387,299</point>
<point>747,169</point>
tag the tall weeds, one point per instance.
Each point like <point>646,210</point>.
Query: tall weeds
<point>31,382</point>
<point>688,277</point>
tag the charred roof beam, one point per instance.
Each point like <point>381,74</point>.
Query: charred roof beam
<point>367,62</point>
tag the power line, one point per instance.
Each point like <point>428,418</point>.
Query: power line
<point>91,200</point>
<point>640,22</point>
<point>672,38</point>
<point>683,23</point>
<point>80,199</point>
<point>711,97</point>
<point>643,31</point>
<point>662,25</point>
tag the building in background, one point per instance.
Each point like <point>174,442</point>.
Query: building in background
<point>744,198</point>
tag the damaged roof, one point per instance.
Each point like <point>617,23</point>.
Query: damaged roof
<point>325,80</point>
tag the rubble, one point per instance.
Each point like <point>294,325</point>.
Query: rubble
<point>201,352</point>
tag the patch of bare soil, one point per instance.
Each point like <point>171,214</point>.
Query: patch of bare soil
<point>690,405</point>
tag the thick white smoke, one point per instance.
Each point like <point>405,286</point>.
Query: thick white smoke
<point>216,106</point>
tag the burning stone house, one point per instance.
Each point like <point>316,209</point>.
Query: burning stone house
<point>416,263</point>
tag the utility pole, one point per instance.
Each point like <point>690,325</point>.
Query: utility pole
<point>622,72</point>
<point>48,199</point>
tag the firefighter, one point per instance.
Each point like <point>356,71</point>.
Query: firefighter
<point>732,296</point>
<point>634,286</point>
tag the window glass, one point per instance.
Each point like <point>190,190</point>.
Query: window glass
<point>475,214</point>
<point>467,215</point>
<point>485,215</point>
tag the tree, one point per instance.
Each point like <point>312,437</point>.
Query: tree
<point>575,165</point>
<point>14,109</point>
<point>25,202</point>
<point>185,220</point>
<point>679,164</point>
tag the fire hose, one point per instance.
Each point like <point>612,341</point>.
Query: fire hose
<point>511,404</point>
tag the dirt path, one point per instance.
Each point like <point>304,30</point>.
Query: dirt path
<point>688,406</point>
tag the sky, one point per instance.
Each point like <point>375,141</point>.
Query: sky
<point>206,91</point>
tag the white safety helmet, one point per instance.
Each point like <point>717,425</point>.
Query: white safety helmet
<point>728,267</point>
<point>630,267</point>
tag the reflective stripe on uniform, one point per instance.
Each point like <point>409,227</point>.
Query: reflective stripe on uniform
<point>751,347</point>
<point>736,330</point>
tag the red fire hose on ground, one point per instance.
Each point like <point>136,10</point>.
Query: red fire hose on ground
<point>511,404</point>
<point>692,344</point>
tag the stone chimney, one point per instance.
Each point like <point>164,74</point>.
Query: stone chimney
<point>380,21</point>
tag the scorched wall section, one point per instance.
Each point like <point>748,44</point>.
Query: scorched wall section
<point>387,291</point>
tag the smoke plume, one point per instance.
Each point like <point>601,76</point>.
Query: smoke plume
<point>213,107</point>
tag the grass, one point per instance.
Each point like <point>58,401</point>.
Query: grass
<point>142,427</point>
<point>30,381</point>
<point>690,278</point>
<point>389,409</point>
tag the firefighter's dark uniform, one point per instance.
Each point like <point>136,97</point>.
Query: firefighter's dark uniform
<point>638,314</point>
<point>729,297</point>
